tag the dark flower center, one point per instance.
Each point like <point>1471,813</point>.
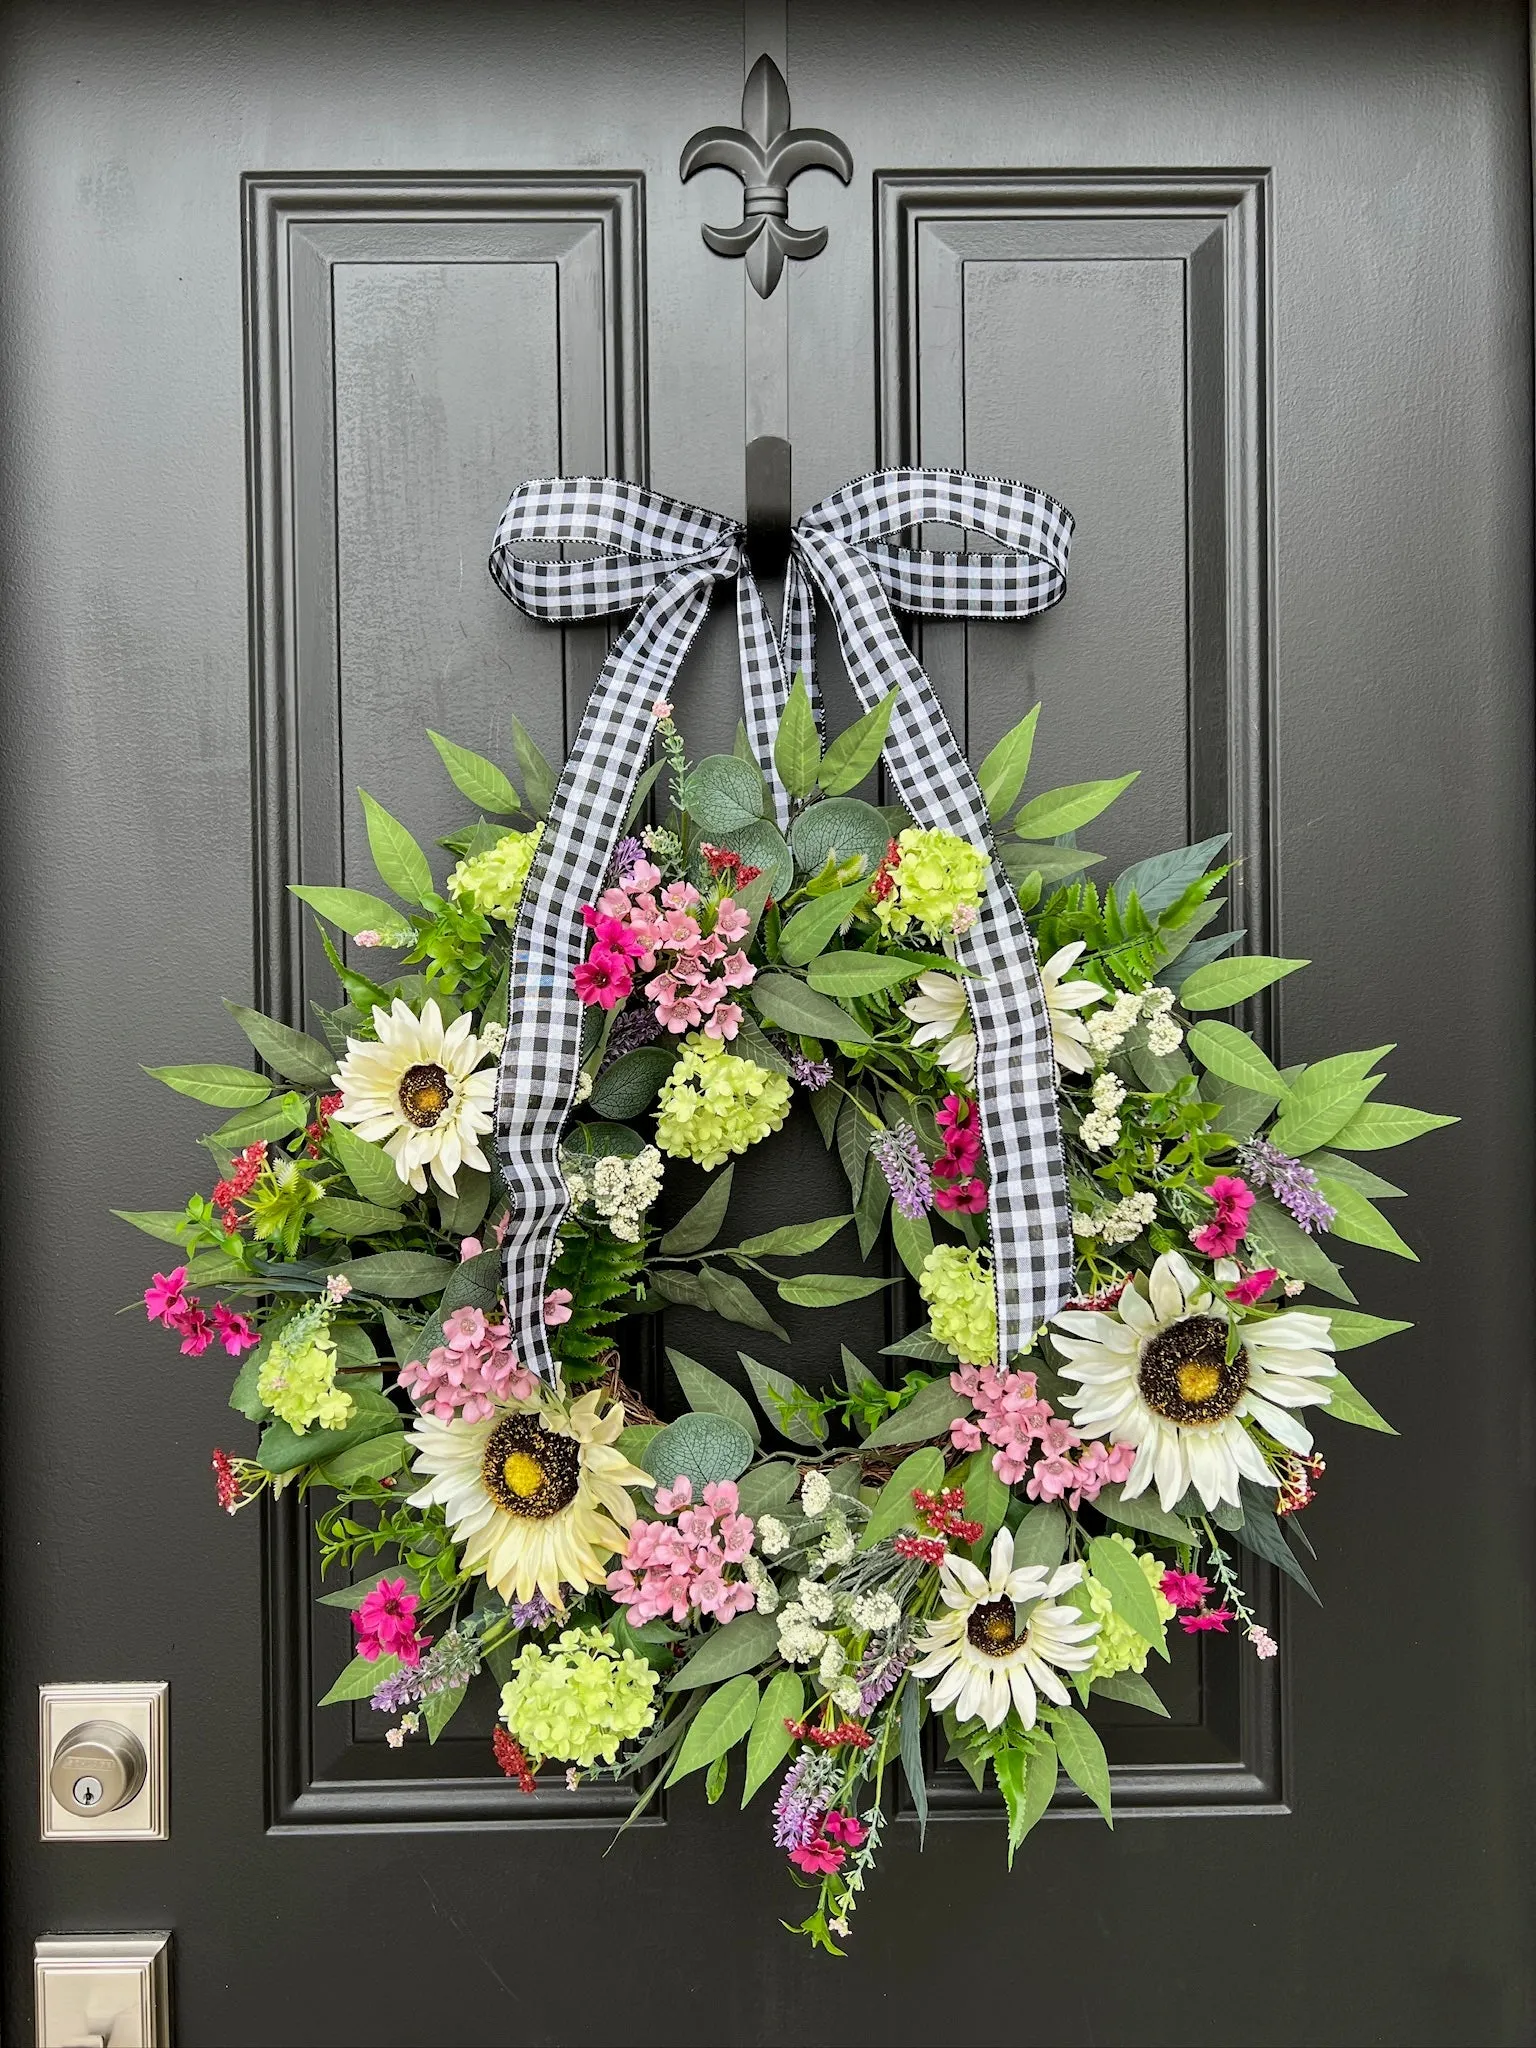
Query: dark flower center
<point>425,1092</point>
<point>529,1471</point>
<point>990,1628</point>
<point>1185,1375</point>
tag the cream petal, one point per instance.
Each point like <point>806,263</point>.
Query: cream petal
<point>1134,1308</point>
<point>1023,1694</point>
<point>1002,1561</point>
<point>1172,1469</point>
<point>966,1575</point>
<point>1285,1427</point>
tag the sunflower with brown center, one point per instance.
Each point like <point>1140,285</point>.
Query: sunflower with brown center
<point>986,1658</point>
<point>535,1493</point>
<point>418,1088</point>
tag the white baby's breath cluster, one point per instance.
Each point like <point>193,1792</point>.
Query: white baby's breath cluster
<point>875,1611</point>
<point>620,1190</point>
<point>815,1493</point>
<point>493,1037</point>
<point>1119,1225</point>
<point>772,1536</point>
<point>1101,1128</point>
<point>801,1636</point>
<point>758,1577</point>
<point>1163,1035</point>
<point>1108,1029</point>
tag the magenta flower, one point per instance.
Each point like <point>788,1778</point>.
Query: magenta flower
<point>1220,1238</point>
<point>1184,1589</point>
<point>1254,1288</point>
<point>163,1299</point>
<point>385,1622</point>
<point>197,1333</point>
<point>1215,1618</point>
<point>818,1857</point>
<point>604,977</point>
<point>844,1827</point>
<point>234,1332</point>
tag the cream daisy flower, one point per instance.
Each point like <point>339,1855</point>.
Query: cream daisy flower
<point>415,1091</point>
<point>984,1657</point>
<point>535,1493</point>
<point>940,1012</point>
<point>1153,1371</point>
<point>1062,1000</point>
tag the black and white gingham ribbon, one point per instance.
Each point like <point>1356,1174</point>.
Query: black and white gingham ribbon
<point>664,559</point>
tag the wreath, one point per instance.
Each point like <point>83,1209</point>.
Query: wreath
<point>796,1574</point>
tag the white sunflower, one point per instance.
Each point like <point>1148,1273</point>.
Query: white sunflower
<point>1063,999</point>
<point>940,1012</point>
<point>985,1656</point>
<point>1154,1371</point>
<point>415,1091</point>
<point>536,1493</point>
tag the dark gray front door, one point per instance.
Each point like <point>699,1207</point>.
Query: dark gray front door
<point>293,297</point>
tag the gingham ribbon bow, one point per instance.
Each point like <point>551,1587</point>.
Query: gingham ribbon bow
<point>666,559</point>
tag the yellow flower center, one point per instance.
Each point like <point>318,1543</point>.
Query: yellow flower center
<point>530,1471</point>
<point>425,1092</point>
<point>524,1475</point>
<point>1198,1382</point>
<point>1186,1376</point>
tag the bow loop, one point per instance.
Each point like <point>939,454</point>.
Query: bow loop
<point>655,538</point>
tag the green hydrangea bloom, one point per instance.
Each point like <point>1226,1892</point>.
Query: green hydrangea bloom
<point>957,1286</point>
<point>578,1698</point>
<point>937,883</point>
<point>297,1380</point>
<point>1119,1647</point>
<point>492,882</point>
<point>713,1103</point>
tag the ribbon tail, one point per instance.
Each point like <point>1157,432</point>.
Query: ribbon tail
<point>764,686</point>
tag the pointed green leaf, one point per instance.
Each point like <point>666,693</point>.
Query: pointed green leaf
<point>811,930</point>
<point>633,1082</point>
<point>797,744</point>
<point>1122,1578</point>
<point>1131,1687</point>
<point>858,974</point>
<point>1232,1055</point>
<point>1082,1757</point>
<point>1347,1404</point>
<point>912,1237</point>
<point>928,1414</point>
<point>770,1740</point>
<point>1379,1125</point>
<point>400,861</point>
<point>1351,1329</point>
<point>783,1402</point>
<point>767,1489</point>
<point>1022,858</point>
<point>854,753</point>
<point>1032,1789</point>
<point>1041,1537</point>
<point>702,1223</point>
<point>401,1276</point>
<point>221,1086</point>
<point>353,1219</point>
<point>354,911</point>
<point>1145,1514</point>
<point>893,1508</point>
<point>539,778</point>
<point>369,1168</point>
<point>722,1721</point>
<point>1359,1221</point>
<point>781,999</point>
<point>274,1118</point>
<point>751,1639</point>
<point>1276,1234</point>
<point>793,1240</point>
<point>293,1054</point>
<point>1225,983</point>
<point>1353,1175</point>
<point>734,1300</point>
<point>829,1290</point>
<point>360,1680</point>
<point>376,1459</point>
<point>1159,881</point>
<point>1002,773</point>
<point>1064,810</point>
<point>708,1394</point>
<point>911,1735</point>
<point>986,1499</point>
<point>164,1224</point>
<point>1316,1110</point>
<point>478,779</point>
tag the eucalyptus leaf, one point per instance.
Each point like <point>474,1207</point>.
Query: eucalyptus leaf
<point>708,1447</point>
<point>911,1741</point>
<point>762,845</point>
<point>767,1489</point>
<point>724,794</point>
<point>841,828</point>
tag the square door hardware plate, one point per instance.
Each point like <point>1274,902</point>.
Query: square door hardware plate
<point>98,1989</point>
<point>143,1710</point>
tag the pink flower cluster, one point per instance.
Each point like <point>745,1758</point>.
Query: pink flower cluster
<point>1189,1591</point>
<point>386,1624</point>
<point>472,1370</point>
<point>670,1569</point>
<point>165,1303</point>
<point>827,1849</point>
<point>956,1184</point>
<point>694,972</point>
<point>1220,1238</point>
<point>1030,1438</point>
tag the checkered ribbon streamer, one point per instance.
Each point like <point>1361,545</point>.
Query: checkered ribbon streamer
<point>661,562</point>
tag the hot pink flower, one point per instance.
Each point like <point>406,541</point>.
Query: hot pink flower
<point>162,1298</point>
<point>234,1332</point>
<point>604,977</point>
<point>614,933</point>
<point>1254,1288</point>
<point>1198,1624</point>
<point>386,1624</point>
<point>968,1196</point>
<point>1184,1589</point>
<point>1226,1230</point>
<point>818,1857</point>
<point>844,1827</point>
<point>557,1307</point>
<point>197,1333</point>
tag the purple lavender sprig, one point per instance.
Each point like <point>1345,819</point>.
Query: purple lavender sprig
<point>879,1673</point>
<point>900,1158</point>
<point>394,1694</point>
<point>633,1028</point>
<point>811,1074</point>
<point>625,855</point>
<point>1293,1185</point>
<point>804,1798</point>
<point>531,1613</point>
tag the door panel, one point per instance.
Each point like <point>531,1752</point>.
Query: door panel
<point>292,299</point>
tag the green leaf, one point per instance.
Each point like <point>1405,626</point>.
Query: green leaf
<point>604,1141</point>
<point>1351,1328</point>
<point>734,1300</point>
<point>718,1726</point>
<point>213,1269</point>
<point>369,1168</point>
<point>724,794</point>
<point>986,1499</point>
<point>767,1488</point>
<point>782,1401</point>
<point>797,745</point>
<point>1348,1404</point>
<point>284,1449</point>
<point>1131,1687</point>
<point>1064,810</point>
<point>793,1240</point>
<point>708,1446</point>
<point>911,1737</point>
<point>399,1276</point>
<point>354,911</point>
<point>475,777</point>
<point>920,1344</point>
<point>893,1508</point>
<point>1041,1538</point>
<point>858,974</point>
<point>631,1442</point>
<point>770,1741</point>
<point>1260,1532</point>
<point>928,1414</point>
<point>813,928</point>
<point>1027,1780</point>
<point>633,1082</point>
<point>912,1237</point>
<point>223,1087</point>
<point>1233,1056</point>
<point>1242,1110</point>
<point>780,999</point>
<point>274,1118</point>
<point>1022,858</point>
<point>375,1459</point>
<point>702,1223</point>
<point>762,845</point>
<point>1225,983</point>
<point>293,1054</point>
<point>361,1680</point>
<point>164,1224</point>
<point>1158,882</point>
<point>642,790</point>
<point>243,1397</point>
<point>353,1596</point>
<point>439,1708</point>
<point>1122,1578</point>
<point>463,1212</point>
<point>400,861</point>
<point>828,1290</point>
<point>1002,773</point>
<point>842,828</point>
<point>1276,1233</point>
<point>854,753</point>
<point>1316,1110</point>
<point>474,1282</point>
<point>751,1639</point>
<point>539,778</point>
<point>1353,1175</point>
<point>1082,1756</point>
<point>1377,1126</point>
<point>1145,1514</point>
<point>353,1219</point>
<point>1359,1221</point>
<point>874,1199</point>
<point>707,1394</point>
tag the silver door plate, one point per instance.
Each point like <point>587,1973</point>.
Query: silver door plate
<point>94,1988</point>
<point>143,1709</point>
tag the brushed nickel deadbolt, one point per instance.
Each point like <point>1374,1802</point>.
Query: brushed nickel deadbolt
<point>97,1768</point>
<point>102,1755</point>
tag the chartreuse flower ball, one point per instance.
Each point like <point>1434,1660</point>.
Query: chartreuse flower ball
<point>1118,1647</point>
<point>936,882</point>
<point>957,1286</point>
<point>297,1379</point>
<point>578,1699</point>
<point>713,1103</point>
<point>492,882</point>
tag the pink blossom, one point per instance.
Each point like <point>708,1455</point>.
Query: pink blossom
<point>471,1373</point>
<point>731,921</point>
<point>1226,1230</point>
<point>1030,1442</point>
<point>680,896</point>
<point>386,1624</point>
<point>470,1248</point>
<point>1184,1589</point>
<point>604,977</point>
<point>818,1857</point>
<point>234,1332</point>
<point>661,708</point>
<point>369,938</point>
<point>724,1021</point>
<point>679,1570</point>
<point>1263,1642</point>
<point>642,877</point>
<point>162,1298</point>
<point>669,1499</point>
<point>197,1333</point>
<point>964,1434</point>
<point>557,1307</point>
<point>843,1827</point>
<point>1254,1288</point>
<point>737,971</point>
